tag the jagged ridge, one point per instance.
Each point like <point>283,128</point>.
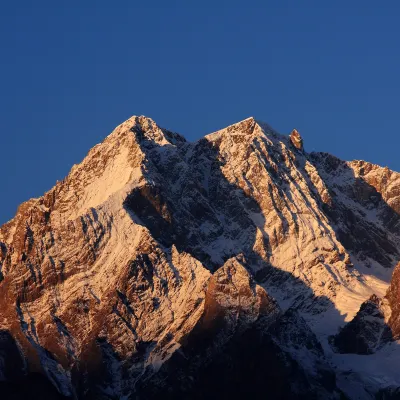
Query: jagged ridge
<point>153,242</point>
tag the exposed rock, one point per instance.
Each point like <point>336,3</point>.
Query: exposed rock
<point>393,296</point>
<point>368,330</point>
<point>365,221</point>
<point>242,344</point>
<point>157,261</point>
<point>296,139</point>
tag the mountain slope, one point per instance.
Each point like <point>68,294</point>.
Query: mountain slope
<point>155,255</point>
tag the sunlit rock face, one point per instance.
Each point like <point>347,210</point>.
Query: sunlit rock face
<point>160,267</point>
<point>393,297</point>
<point>296,139</point>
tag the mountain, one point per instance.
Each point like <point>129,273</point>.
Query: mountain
<point>235,266</point>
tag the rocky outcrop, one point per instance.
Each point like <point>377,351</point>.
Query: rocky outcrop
<point>393,296</point>
<point>157,263</point>
<point>296,139</point>
<point>367,331</point>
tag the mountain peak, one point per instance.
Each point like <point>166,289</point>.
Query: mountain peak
<point>238,248</point>
<point>248,127</point>
<point>145,128</point>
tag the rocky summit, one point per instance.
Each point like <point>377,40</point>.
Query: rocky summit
<point>238,266</point>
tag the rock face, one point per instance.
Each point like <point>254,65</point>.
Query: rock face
<point>393,296</point>
<point>296,139</point>
<point>368,330</point>
<point>241,330</point>
<point>160,267</point>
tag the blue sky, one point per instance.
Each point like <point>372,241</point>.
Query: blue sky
<point>71,71</point>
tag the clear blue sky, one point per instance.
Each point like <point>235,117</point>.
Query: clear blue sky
<point>72,71</point>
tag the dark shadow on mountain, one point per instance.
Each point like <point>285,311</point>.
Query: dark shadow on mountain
<point>389,393</point>
<point>19,384</point>
<point>252,363</point>
<point>13,367</point>
<point>31,386</point>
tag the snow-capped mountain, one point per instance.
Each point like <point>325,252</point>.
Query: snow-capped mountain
<point>238,266</point>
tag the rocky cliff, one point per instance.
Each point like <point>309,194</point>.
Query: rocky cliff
<point>160,267</point>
